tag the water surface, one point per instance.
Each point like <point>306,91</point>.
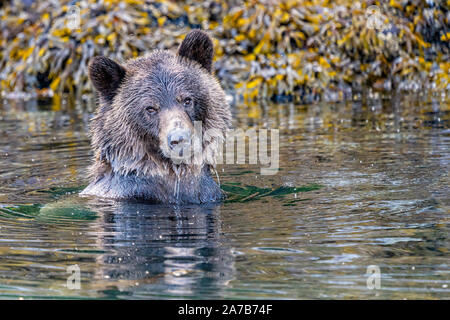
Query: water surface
<point>374,191</point>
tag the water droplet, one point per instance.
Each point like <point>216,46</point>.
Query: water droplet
<point>176,191</point>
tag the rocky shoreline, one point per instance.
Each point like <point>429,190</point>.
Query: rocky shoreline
<point>282,50</point>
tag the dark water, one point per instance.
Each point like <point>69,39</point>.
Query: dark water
<point>375,192</point>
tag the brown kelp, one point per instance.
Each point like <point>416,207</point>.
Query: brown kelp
<point>287,48</point>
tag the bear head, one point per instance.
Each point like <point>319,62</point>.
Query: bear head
<point>150,105</point>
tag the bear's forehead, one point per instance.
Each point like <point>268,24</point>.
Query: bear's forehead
<point>163,66</point>
<point>167,78</point>
<point>164,61</point>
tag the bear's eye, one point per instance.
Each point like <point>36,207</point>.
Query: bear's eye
<point>187,102</point>
<point>151,110</point>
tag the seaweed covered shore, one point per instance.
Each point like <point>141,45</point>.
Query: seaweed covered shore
<point>301,50</point>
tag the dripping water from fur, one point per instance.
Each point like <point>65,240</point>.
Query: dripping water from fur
<point>176,189</point>
<point>217,175</point>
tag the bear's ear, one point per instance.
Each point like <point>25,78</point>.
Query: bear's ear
<point>199,47</point>
<point>106,75</point>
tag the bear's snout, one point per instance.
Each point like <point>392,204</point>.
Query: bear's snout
<point>178,138</point>
<point>176,134</point>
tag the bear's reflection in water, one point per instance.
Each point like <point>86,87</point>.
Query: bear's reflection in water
<point>159,249</point>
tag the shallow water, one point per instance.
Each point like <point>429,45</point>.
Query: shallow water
<point>375,191</point>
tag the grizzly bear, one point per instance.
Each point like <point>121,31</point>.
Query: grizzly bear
<point>145,122</point>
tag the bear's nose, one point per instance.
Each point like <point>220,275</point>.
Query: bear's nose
<point>178,137</point>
